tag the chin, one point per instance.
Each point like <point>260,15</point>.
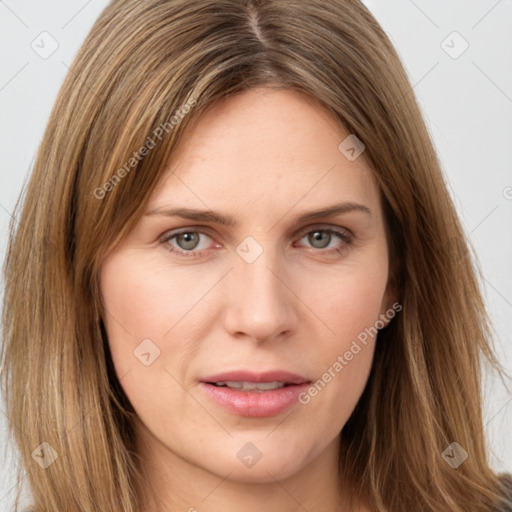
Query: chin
<point>262,459</point>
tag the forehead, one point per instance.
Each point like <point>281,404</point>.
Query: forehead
<point>266,147</point>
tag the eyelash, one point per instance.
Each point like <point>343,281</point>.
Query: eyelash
<point>344,235</point>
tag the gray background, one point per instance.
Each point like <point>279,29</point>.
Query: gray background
<point>466,98</point>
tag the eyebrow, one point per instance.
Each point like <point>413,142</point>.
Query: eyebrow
<point>227,220</point>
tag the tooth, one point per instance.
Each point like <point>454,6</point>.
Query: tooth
<point>270,385</point>
<point>233,384</point>
<point>262,386</point>
<point>251,386</point>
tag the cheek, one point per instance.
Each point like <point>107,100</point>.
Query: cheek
<point>153,318</point>
<point>344,359</point>
<point>136,298</point>
<point>350,310</point>
<point>349,302</point>
<point>144,300</point>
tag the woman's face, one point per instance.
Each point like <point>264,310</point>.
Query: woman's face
<point>242,329</point>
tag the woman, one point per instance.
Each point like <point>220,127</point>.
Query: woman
<point>253,289</point>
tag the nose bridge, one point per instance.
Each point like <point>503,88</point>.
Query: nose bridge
<point>259,304</point>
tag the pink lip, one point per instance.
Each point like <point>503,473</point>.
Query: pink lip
<point>253,403</point>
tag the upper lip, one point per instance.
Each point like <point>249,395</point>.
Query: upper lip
<point>248,376</point>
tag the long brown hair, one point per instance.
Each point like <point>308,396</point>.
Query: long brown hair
<point>145,71</point>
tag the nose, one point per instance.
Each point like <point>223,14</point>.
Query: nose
<point>259,300</point>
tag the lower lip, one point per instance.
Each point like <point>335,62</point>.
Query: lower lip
<point>252,403</point>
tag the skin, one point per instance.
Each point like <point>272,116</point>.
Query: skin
<point>297,307</point>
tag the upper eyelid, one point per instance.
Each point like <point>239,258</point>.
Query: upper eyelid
<point>206,229</point>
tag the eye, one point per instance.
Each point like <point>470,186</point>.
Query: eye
<point>321,237</point>
<point>187,242</point>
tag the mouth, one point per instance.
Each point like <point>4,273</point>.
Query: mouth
<point>254,394</point>
<point>258,387</point>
